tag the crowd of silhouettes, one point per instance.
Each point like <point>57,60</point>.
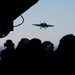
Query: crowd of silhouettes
<point>34,52</point>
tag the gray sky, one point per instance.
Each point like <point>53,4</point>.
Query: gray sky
<point>60,13</point>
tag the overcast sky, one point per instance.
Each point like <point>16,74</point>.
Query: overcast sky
<point>60,13</point>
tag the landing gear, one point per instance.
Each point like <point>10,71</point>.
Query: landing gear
<point>40,27</point>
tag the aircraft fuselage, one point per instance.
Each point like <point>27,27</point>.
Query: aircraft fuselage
<point>44,25</point>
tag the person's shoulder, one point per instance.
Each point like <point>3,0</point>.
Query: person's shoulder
<point>2,51</point>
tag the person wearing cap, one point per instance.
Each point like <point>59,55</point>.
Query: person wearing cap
<point>8,54</point>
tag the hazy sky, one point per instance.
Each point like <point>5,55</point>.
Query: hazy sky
<point>60,13</point>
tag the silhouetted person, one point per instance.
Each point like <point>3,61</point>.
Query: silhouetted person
<point>65,53</point>
<point>35,51</point>
<point>0,57</point>
<point>21,51</point>
<point>8,55</point>
<point>48,48</point>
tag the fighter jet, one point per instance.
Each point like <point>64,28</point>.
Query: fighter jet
<point>43,25</point>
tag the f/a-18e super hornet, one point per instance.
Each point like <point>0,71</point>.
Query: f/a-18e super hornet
<point>43,25</point>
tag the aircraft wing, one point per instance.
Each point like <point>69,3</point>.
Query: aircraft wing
<point>36,24</point>
<point>50,25</point>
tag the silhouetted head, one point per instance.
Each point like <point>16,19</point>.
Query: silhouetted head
<point>22,44</point>
<point>9,43</point>
<point>67,42</point>
<point>47,46</point>
<point>35,44</point>
<point>24,40</point>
